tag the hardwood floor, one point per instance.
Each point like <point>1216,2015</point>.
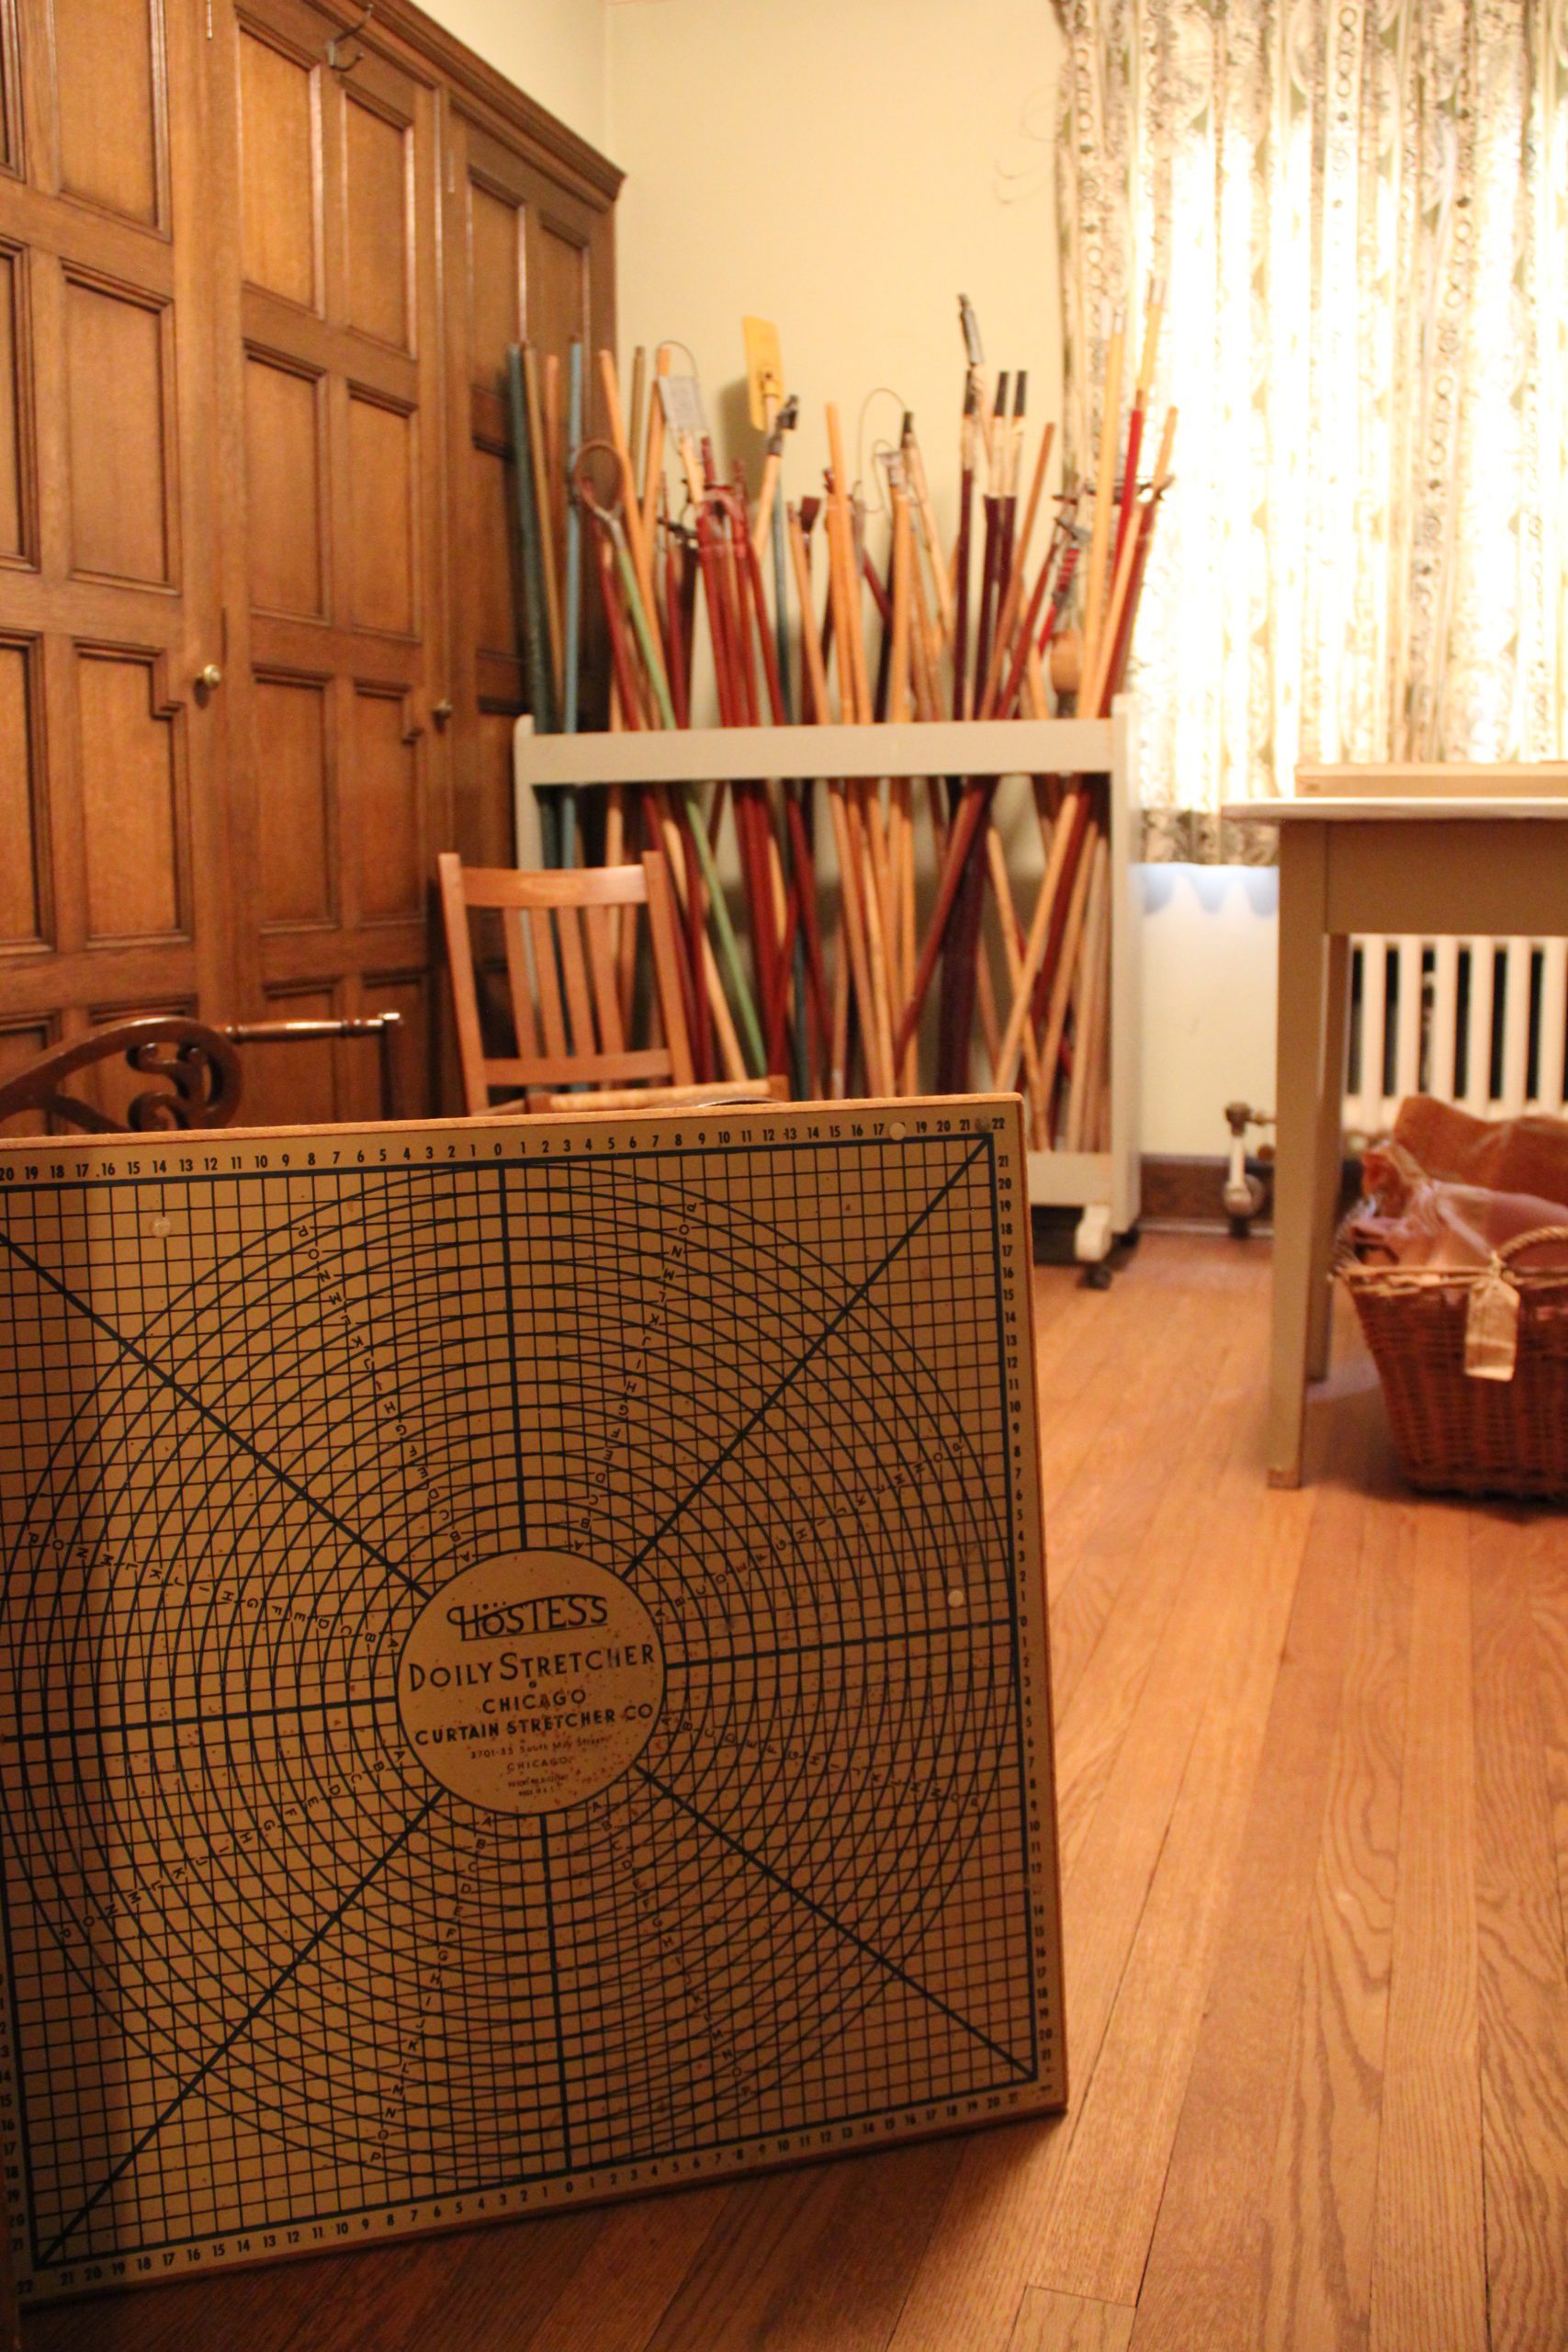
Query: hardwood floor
<point>1313,1755</point>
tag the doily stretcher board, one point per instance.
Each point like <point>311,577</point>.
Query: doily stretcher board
<point>523,1668</point>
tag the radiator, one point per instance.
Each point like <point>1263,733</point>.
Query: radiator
<point>1483,1023</point>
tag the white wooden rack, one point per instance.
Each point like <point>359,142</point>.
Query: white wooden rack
<point>1103,1185</point>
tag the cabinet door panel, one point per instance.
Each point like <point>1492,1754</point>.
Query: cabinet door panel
<point>292,1084</point>
<point>408,995</point>
<point>280,169</point>
<point>558,284</point>
<point>493,838</point>
<point>293,745</point>
<point>107,59</point>
<point>493,553</point>
<point>494,276</point>
<point>386,809</point>
<point>21,1043</point>
<point>11,96</point>
<point>19,791</point>
<point>377,176</point>
<point>13,535</point>
<point>121,504</point>
<point>382,462</point>
<point>132,819</point>
<point>283,481</point>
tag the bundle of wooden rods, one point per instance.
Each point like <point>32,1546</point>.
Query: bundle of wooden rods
<point>843,951</point>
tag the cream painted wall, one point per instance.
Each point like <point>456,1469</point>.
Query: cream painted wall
<point>844,167</point>
<point>1208,946</point>
<point>555,49</point>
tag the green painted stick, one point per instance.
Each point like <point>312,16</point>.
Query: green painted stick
<point>729,948</point>
<point>536,640</point>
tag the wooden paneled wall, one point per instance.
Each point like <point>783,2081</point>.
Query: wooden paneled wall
<point>253,312</point>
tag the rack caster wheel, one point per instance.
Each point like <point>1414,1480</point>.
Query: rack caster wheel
<point>1093,1237</point>
<point>1098,1277</point>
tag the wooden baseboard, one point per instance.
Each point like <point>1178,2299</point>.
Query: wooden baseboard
<point>1184,1191</point>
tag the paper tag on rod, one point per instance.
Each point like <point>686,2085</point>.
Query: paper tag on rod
<point>765,369</point>
<point>682,399</point>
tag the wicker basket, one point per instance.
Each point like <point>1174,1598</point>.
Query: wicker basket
<point>1501,1426</point>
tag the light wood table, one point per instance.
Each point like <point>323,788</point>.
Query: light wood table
<point>1375,850</point>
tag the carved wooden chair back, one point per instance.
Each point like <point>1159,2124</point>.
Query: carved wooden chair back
<point>192,1073</point>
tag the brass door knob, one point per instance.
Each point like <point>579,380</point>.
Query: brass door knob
<point>209,678</point>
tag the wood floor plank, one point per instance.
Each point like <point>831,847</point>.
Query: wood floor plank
<point>1095,1710</point>
<point>1166,1427</point>
<point>476,2294</point>
<point>982,2252</point>
<point>1075,1328</point>
<point>1097,1420</point>
<point>1067,1318</point>
<point>814,2260</point>
<point>1220,1940</point>
<point>1090,1357</point>
<point>1317,2245</point>
<point>1429,2263</point>
<point>1548,1549</point>
<point>466,2288</point>
<point>1523,1993</point>
<point>611,2301</point>
<point>1075,1392</point>
<point>1052,2323</point>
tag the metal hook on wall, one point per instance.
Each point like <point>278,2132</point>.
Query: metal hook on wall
<point>346,64</point>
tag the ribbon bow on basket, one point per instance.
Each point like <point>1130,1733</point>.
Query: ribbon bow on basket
<point>1491,1318</point>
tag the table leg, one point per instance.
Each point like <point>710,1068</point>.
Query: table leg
<point>1302,912</point>
<point>1330,1148</point>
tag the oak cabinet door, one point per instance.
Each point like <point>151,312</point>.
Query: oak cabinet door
<point>331,470</point>
<point>111,754</point>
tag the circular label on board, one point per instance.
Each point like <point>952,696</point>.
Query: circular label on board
<point>530,1682</point>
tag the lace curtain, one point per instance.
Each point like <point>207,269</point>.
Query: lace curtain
<point>1360,213</point>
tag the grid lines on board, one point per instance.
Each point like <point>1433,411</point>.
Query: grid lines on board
<point>275,1976</point>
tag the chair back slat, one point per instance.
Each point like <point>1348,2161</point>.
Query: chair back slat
<point>546,984</point>
<point>585,1043</point>
<point>519,982</point>
<point>667,966</point>
<point>597,922</point>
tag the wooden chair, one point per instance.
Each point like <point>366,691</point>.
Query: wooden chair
<point>193,1073</point>
<point>567,913</point>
